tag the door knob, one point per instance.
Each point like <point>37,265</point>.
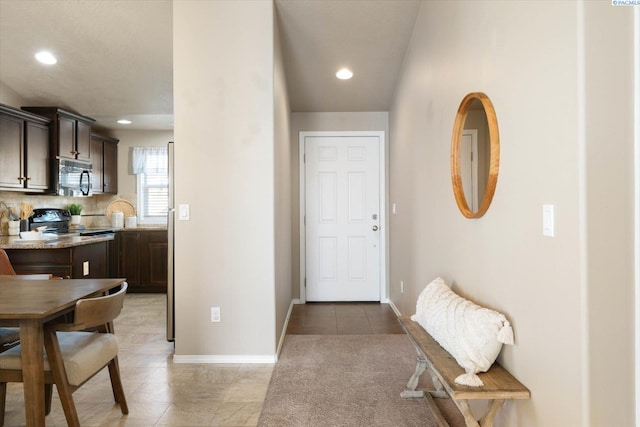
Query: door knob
<point>375,228</point>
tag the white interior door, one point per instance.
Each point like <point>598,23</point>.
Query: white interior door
<point>469,167</point>
<point>342,218</point>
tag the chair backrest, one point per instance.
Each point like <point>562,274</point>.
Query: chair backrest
<point>92,312</point>
<point>5,264</point>
<point>25,276</point>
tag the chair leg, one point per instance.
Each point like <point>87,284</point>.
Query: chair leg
<point>48,396</point>
<point>60,377</point>
<point>116,385</point>
<point>3,399</point>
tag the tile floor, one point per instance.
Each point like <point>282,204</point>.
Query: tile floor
<point>343,319</point>
<point>162,393</point>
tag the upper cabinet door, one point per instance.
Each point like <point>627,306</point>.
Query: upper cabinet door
<point>83,141</point>
<point>12,156</point>
<point>37,156</point>
<point>110,171</point>
<point>67,137</point>
<point>97,162</point>
<point>24,151</point>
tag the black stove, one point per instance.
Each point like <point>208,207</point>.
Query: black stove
<point>57,222</point>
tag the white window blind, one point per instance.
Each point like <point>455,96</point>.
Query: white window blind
<point>150,164</point>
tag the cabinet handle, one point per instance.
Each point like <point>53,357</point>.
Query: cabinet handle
<point>21,178</point>
<point>28,178</point>
<point>74,152</point>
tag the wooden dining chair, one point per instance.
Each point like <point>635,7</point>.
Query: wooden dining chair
<point>74,355</point>
<point>5,264</point>
<point>10,337</point>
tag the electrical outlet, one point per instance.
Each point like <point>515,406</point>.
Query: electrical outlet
<point>215,314</point>
<point>85,268</point>
<point>401,287</point>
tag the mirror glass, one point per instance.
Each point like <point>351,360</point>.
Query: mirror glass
<point>475,155</point>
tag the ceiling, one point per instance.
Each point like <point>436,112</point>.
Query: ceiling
<point>115,57</point>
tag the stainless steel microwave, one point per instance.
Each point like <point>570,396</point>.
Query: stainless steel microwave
<point>74,178</point>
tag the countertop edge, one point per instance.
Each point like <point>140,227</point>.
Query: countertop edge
<point>8,242</point>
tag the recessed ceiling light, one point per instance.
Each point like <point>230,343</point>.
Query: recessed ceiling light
<point>344,74</point>
<point>124,122</point>
<point>46,57</point>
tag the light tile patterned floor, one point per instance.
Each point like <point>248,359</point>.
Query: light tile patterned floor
<point>162,393</point>
<point>158,391</point>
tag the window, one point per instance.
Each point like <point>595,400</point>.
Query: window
<point>150,164</point>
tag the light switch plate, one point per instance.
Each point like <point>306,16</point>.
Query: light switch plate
<point>215,314</point>
<point>548,221</point>
<point>183,212</point>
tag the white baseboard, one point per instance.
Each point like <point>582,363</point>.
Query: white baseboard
<point>242,358</point>
<point>284,327</point>
<point>394,308</point>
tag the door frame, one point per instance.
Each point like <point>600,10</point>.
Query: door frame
<point>383,204</point>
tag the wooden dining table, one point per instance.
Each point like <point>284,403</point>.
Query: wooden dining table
<point>29,304</point>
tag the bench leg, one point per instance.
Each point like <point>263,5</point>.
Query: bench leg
<point>410,392</point>
<point>465,409</point>
<point>487,420</point>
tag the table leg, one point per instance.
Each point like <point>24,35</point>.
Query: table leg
<point>31,342</point>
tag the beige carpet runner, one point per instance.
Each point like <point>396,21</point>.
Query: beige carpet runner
<point>343,380</point>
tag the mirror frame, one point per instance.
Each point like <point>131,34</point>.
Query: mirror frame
<point>494,161</point>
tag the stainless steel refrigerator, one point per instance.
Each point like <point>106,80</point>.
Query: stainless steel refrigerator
<point>171,218</point>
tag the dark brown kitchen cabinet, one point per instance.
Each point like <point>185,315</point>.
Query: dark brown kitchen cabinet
<point>141,259</point>
<point>77,262</point>
<point>104,157</point>
<point>24,151</point>
<point>70,133</point>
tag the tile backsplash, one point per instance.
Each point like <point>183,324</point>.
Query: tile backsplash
<point>93,212</point>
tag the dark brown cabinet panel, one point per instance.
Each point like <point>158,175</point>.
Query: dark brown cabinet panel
<point>153,263</point>
<point>142,259</point>
<point>104,157</point>
<point>38,165</point>
<point>78,262</point>
<point>24,151</point>
<point>70,133</point>
<point>11,147</point>
<point>66,137</point>
<point>97,165</point>
<point>110,167</point>
<point>83,140</point>
<point>90,261</point>
<point>130,258</point>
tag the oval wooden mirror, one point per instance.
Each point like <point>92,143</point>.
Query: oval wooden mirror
<point>475,154</point>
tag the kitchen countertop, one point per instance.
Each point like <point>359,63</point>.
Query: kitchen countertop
<point>9,242</point>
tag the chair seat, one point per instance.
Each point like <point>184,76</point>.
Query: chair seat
<point>9,336</point>
<point>84,354</point>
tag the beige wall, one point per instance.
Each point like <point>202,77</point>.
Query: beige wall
<point>569,297</point>
<point>10,97</point>
<point>282,150</point>
<point>606,129</point>
<point>301,122</point>
<point>224,164</point>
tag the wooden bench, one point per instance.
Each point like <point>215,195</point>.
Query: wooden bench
<point>499,385</point>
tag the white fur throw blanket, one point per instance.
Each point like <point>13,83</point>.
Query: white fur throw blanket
<point>473,335</point>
